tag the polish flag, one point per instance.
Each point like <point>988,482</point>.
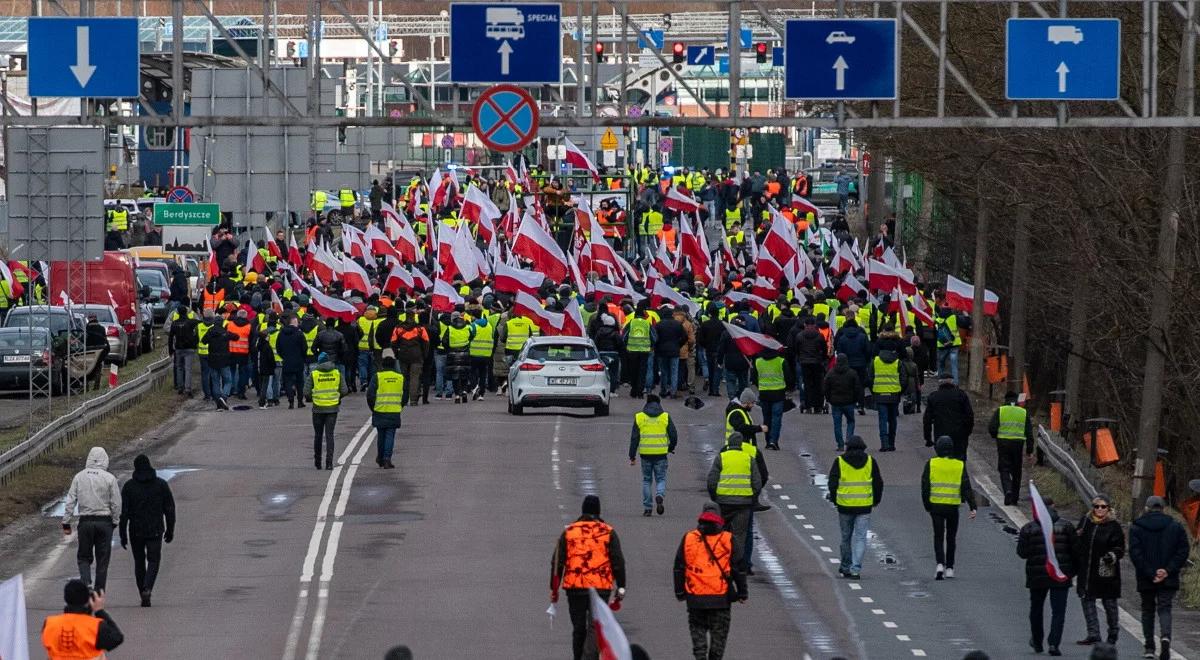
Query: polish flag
<point>214,270</point>
<point>618,293</point>
<point>572,320</point>
<point>757,303</point>
<point>330,307</point>
<point>844,260</point>
<point>407,244</point>
<point>577,277</point>
<point>354,243</point>
<point>765,289</point>
<point>694,247</point>
<point>457,255</point>
<point>678,201</point>
<point>802,205</point>
<point>379,242</point>
<point>664,262</point>
<point>273,249</point>
<point>767,267</point>
<point>822,279</point>
<point>629,269</point>
<point>512,280</point>
<point>276,303</point>
<point>662,292</point>
<point>1042,515</point>
<point>901,309</point>
<point>577,158</point>
<point>444,296</point>
<point>780,240</point>
<point>850,288</point>
<point>254,260</point>
<point>420,280</point>
<point>961,296</point>
<point>550,323</point>
<point>293,256</point>
<point>922,311</point>
<point>884,277</point>
<point>479,209</point>
<point>398,280</point>
<point>534,243</point>
<point>354,277</point>
<point>610,639</point>
<point>751,343</point>
<point>324,265</point>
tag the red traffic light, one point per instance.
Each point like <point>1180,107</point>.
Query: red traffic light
<point>760,52</point>
<point>677,52</point>
<point>599,49</point>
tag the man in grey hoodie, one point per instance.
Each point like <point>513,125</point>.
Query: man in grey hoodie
<point>653,437</point>
<point>93,505</point>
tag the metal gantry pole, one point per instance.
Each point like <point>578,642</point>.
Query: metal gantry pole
<point>943,15</point>
<point>176,60</point>
<point>593,81</point>
<point>579,60</point>
<point>735,60</point>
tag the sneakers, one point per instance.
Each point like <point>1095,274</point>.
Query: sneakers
<point>222,404</point>
<point>145,598</point>
<point>1088,641</point>
<point>1054,651</point>
<point>388,464</point>
<point>647,513</point>
<point>1036,645</point>
<point>949,573</point>
<point>300,404</point>
<point>1148,652</point>
<point>1164,653</point>
<point>262,406</point>
<point>658,500</point>
<point>939,572</point>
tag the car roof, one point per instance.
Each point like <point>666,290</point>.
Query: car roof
<point>561,339</point>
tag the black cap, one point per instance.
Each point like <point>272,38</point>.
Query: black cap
<point>591,505</point>
<point>76,594</point>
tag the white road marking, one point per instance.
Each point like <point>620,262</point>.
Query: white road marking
<point>809,527</point>
<point>903,638</point>
<point>866,599</point>
<point>889,624</point>
<point>854,586</point>
<point>835,560</point>
<point>878,611</point>
<point>826,548</point>
<point>776,486</point>
<point>784,497</point>
<point>919,653</point>
<point>792,506</point>
<point>818,537</point>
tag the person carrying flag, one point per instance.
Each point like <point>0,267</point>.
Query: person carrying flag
<point>1049,565</point>
<point>587,556</point>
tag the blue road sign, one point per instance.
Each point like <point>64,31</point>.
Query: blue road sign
<point>1063,59</point>
<point>505,43</point>
<point>651,39</point>
<point>745,37</point>
<point>777,56</point>
<point>723,64</point>
<point>505,118</point>
<point>701,55</point>
<point>84,57</point>
<point>850,59</point>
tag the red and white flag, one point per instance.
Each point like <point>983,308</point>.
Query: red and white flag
<point>512,280</point>
<point>1042,515</point>
<point>379,242</point>
<point>478,208</point>
<point>353,242</point>
<point>457,255</point>
<point>694,247</point>
<point>324,266</point>
<point>618,293</point>
<point>445,298</point>
<point>961,296</point>
<point>767,267</point>
<point>664,262</point>
<point>293,257</point>
<point>354,277</point>
<point>422,282</point>
<point>662,292</point>
<point>885,277</point>
<point>273,248</point>
<point>398,281</point>
<point>550,323</point>
<point>780,239</point>
<point>610,639</point>
<point>678,201</point>
<point>757,303</point>
<point>577,158</point>
<point>536,244</point>
<point>751,343</point>
<point>330,307</point>
<point>922,311</point>
<point>850,288</point>
<point>843,259</point>
<point>572,320</point>
<point>804,206</point>
<point>254,260</point>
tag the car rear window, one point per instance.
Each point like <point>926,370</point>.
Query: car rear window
<point>56,322</point>
<point>103,314</point>
<point>22,340</point>
<point>562,352</point>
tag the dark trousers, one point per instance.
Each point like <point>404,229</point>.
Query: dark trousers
<point>945,534</point>
<point>710,629</point>
<point>482,366</point>
<point>1112,617</point>
<point>147,555</point>
<point>323,425</point>
<point>1156,601</point>
<point>1058,612</point>
<point>412,378</point>
<point>737,522</point>
<point>814,399</point>
<point>637,373</point>
<point>1008,460</point>
<point>960,445</point>
<point>95,541</point>
<point>293,384</point>
<point>714,373</point>
<point>579,604</point>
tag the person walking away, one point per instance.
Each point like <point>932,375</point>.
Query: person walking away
<point>325,387</point>
<point>348,361</point>
<point>291,348</point>
<point>368,344</point>
<point>855,487</point>
<point>686,350</point>
<point>843,390</point>
<point>734,482</point>
<point>587,556</point>
<point>482,344</point>
<point>1158,548</point>
<point>770,375</point>
<point>1011,427</point>
<point>812,355</point>
<point>410,344</point>
<point>852,340</point>
<point>948,412</point>
<point>1098,555</point>
<point>217,341</point>
<point>263,356</point>
<point>209,322</point>
<point>611,347</point>
<point>733,362</point>
<point>949,341</point>
<point>885,377</point>
<point>332,343</point>
<point>239,352</point>
<point>671,338</point>
<point>386,396</point>
<point>456,340</point>
<point>1031,546</point>
<point>708,338</point>
<point>653,437</point>
<point>84,629</point>
<point>147,521</point>
<point>944,486</point>
<point>738,420</point>
<point>93,506</point>
<point>707,579</point>
<point>639,342</point>
<point>182,341</point>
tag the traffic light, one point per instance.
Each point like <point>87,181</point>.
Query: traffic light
<point>599,51</point>
<point>760,52</point>
<point>393,48</point>
<point>678,53</point>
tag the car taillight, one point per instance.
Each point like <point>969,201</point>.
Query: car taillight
<point>531,366</point>
<point>163,295</point>
<point>111,331</point>
<point>592,366</point>
<point>45,357</point>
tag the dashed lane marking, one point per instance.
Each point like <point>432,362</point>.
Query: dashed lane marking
<point>919,653</point>
<point>889,624</point>
<point>878,611</point>
<point>854,586</point>
<point>903,638</point>
<point>866,599</point>
<point>826,548</point>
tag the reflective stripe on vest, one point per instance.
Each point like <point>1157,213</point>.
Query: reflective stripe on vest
<point>587,562</point>
<point>855,487</point>
<point>887,377</point>
<point>368,326</point>
<point>945,481</point>
<point>201,330</point>
<point>212,301</point>
<point>517,330</point>
<point>735,474</point>
<point>1012,423</point>
<point>457,338</point>
<point>346,197</point>
<point>639,336</point>
<point>770,374</point>
<point>310,337</point>
<point>483,343</point>
<point>652,434</point>
<point>389,392</point>
<point>325,390</point>
<point>71,636</point>
<point>241,345</point>
<point>704,576</point>
<point>272,340</point>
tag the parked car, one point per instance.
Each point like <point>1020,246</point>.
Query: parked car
<point>67,336</point>
<point>110,281</point>
<point>558,371</point>
<point>156,290</point>
<point>25,355</point>
<point>118,338</point>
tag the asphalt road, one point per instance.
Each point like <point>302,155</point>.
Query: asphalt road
<point>449,553</point>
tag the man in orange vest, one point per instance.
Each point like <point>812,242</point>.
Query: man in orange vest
<point>707,579</point>
<point>587,556</point>
<point>84,629</point>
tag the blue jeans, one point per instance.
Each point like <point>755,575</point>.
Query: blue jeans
<point>668,373</point>
<point>846,411</point>
<point>773,417</point>
<point>183,368</point>
<point>204,382</point>
<point>240,371</point>
<point>385,443</point>
<point>276,383</point>
<point>948,354</point>
<point>653,469</point>
<point>702,361</point>
<point>441,385</point>
<point>220,382</point>
<point>735,382</point>
<point>612,360</point>
<point>366,369</point>
<point>854,540</point>
<point>800,382</point>
<point>889,419</point>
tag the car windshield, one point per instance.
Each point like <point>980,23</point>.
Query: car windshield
<point>151,278</point>
<point>56,322</point>
<point>103,313</point>
<point>11,340</point>
<point>562,352</point>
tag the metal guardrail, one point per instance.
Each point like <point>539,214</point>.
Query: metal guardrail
<point>1062,460</point>
<point>79,420</point>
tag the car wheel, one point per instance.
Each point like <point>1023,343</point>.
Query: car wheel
<point>602,410</point>
<point>516,409</point>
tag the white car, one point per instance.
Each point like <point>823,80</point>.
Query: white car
<point>839,37</point>
<point>558,371</point>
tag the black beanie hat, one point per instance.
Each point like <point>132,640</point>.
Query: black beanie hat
<point>591,505</point>
<point>76,594</point>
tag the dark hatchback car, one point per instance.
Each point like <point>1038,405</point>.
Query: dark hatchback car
<point>27,353</point>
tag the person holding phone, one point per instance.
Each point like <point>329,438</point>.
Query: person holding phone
<point>84,629</point>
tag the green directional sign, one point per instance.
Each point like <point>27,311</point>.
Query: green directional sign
<point>187,214</point>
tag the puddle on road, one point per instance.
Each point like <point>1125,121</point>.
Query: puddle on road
<point>58,508</point>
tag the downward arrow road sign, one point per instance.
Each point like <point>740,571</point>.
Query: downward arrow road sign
<point>82,69</point>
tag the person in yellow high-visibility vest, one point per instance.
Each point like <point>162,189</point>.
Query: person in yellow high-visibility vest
<point>386,396</point>
<point>855,487</point>
<point>653,437</point>
<point>734,482</point>
<point>1011,427</point>
<point>886,375</point>
<point>944,486</point>
<point>483,345</point>
<point>325,386</point>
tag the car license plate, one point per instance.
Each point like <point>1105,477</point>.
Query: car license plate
<point>15,358</point>
<point>561,381</point>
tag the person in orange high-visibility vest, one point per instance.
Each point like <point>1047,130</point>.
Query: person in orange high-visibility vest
<point>708,580</point>
<point>587,556</point>
<point>84,629</point>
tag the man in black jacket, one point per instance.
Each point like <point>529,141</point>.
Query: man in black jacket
<point>812,353</point>
<point>1158,548</point>
<point>147,520</point>
<point>844,391</point>
<point>671,337</point>
<point>948,412</point>
<point>292,350</point>
<point>1031,546</point>
<point>708,338</point>
<point>182,340</point>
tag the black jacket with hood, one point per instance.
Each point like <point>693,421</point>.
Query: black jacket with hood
<point>1157,541</point>
<point>948,411</point>
<point>856,456</point>
<point>292,348</point>
<point>653,409</point>
<point>147,505</point>
<point>1032,548</point>
<point>1096,541</point>
<point>945,449</point>
<point>842,386</point>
